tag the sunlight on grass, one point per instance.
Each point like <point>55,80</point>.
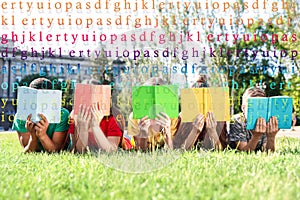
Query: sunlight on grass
<point>138,162</point>
<point>177,175</point>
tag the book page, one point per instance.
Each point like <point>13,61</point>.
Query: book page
<point>166,100</point>
<point>281,107</point>
<point>196,101</point>
<point>257,107</point>
<point>150,100</point>
<point>143,100</point>
<point>219,103</point>
<point>207,101</point>
<point>49,104</point>
<point>27,103</point>
<point>191,103</point>
<point>86,94</point>
<point>102,94</point>
<point>82,96</point>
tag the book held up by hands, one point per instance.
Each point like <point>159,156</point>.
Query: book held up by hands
<point>280,107</point>
<point>86,94</point>
<point>151,100</point>
<point>39,101</point>
<point>196,101</point>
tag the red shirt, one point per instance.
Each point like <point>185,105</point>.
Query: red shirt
<point>108,125</point>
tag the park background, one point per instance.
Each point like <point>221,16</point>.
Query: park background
<point>193,175</point>
<point>236,72</point>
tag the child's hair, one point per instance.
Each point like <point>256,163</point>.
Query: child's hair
<point>91,81</point>
<point>154,81</point>
<point>201,82</point>
<point>41,83</point>
<point>253,92</point>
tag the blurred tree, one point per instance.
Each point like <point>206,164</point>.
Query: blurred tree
<point>247,70</point>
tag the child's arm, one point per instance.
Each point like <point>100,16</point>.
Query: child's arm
<point>164,121</point>
<point>211,139</point>
<point>82,121</point>
<point>28,140</point>
<point>259,130</point>
<point>198,125</point>
<point>142,138</point>
<point>110,143</point>
<point>272,130</point>
<point>58,139</point>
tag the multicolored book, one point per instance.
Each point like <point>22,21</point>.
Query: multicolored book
<point>279,106</point>
<point>151,100</point>
<point>196,101</point>
<point>33,101</point>
<point>87,95</point>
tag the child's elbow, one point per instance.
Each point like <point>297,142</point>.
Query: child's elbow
<point>112,149</point>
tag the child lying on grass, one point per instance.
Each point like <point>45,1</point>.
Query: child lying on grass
<point>42,136</point>
<point>262,137</point>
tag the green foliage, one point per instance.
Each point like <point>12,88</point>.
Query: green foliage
<point>194,175</point>
<point>294,92</point>
<point>246,74</point>
<point>68,90</point>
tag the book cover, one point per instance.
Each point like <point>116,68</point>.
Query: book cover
<point>86,94</point>
<point>257,107</point>
<point>150,100</point>
<point>33,101</point>
<point>219,103</point>
<point>196,101</point>
<point>191,103</point>
<point>280,107</point>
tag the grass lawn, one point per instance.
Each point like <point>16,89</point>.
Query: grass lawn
<point>193,175</point>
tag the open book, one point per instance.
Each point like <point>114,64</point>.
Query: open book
<point>33,101</point>
<point>150,100</point>
<point>86,94</point>
<point>279,106</point>
<point>196,101</point>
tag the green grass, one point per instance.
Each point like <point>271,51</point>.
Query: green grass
<point>190,175</point>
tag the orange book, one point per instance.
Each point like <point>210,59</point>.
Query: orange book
<point>86,94</point>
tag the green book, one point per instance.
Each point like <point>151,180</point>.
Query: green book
<point>151,100</point>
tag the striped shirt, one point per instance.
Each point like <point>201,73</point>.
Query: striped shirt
<point>238,133</point>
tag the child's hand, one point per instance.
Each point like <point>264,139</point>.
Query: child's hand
<point>82,119</point>
<point>199,122</point>
<point>144,125</point>
<point>211,123</point>
<point>97,115</point>
<point>272,127</point>
<point>164,120</point>
<point>42,126</point>
<point>30,125</point>
<point>260,127</point>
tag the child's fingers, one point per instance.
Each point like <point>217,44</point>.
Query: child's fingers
<point>29,117</point>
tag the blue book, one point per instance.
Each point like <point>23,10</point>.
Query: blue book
<point>257,107</point>
<point>279,106</point>
<point>282,108</point>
